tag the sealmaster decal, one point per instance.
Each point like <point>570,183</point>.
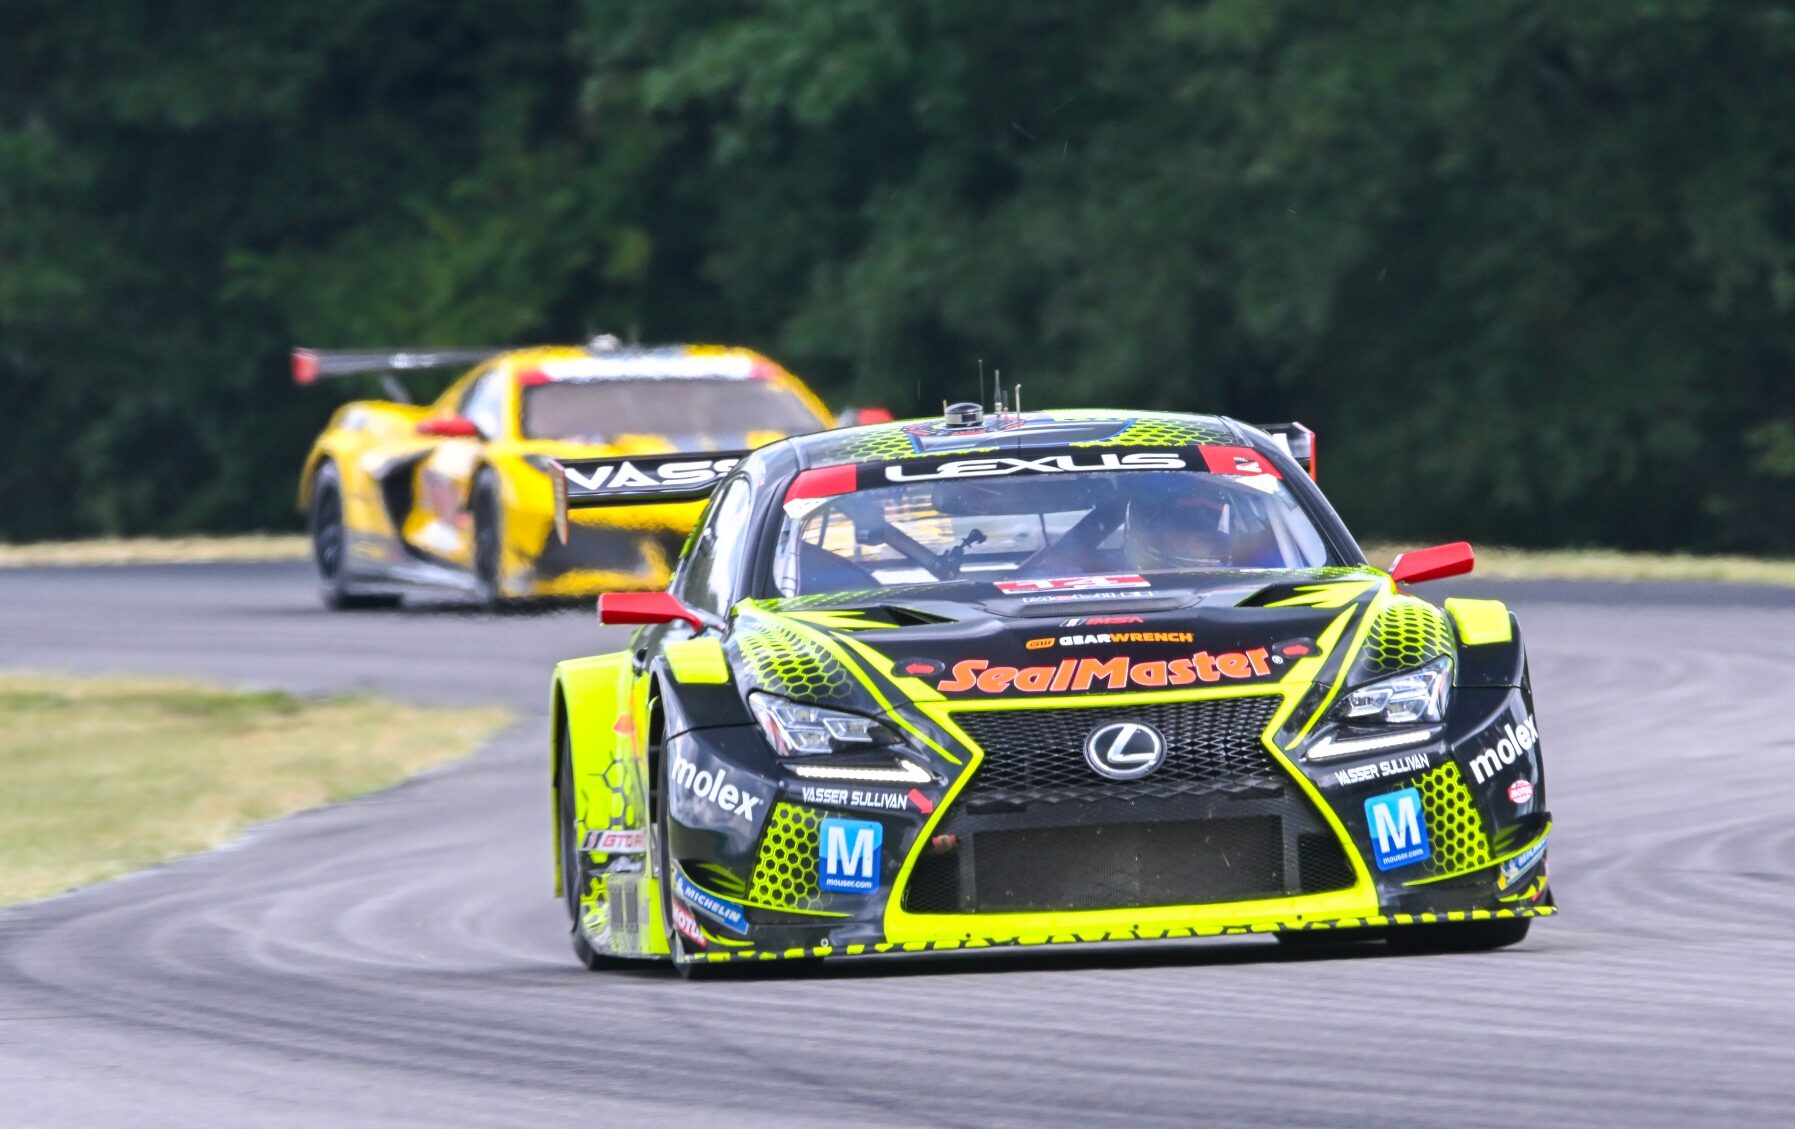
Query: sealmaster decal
<point>1118,673</point>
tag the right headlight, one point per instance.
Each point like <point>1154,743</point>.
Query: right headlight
<point>1419,695</point>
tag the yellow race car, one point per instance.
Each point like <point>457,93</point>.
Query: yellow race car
<point>458,495</point>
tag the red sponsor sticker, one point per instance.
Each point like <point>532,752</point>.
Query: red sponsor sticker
<point>1237,460</point>
<point>1520,791</point>
<point>1074,583</point>
<point>688,926</point>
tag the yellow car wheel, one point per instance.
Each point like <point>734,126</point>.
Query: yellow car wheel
<point>330,547</point>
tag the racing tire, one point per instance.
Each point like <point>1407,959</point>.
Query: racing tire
<point>489,538</point>
<point>330,544</point>
<point>1459,936</point>
<point>574,875</point>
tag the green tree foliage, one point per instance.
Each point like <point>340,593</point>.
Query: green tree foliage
<point>1528,267</point>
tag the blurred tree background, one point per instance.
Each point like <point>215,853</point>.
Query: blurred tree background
<point>1528,267</point>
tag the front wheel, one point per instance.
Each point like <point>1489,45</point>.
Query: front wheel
<point>330,546</point>
<point>1459,936</point>
<point>574,874</point>
<point>488,516</point>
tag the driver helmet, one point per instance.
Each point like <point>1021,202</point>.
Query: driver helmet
<point>1170,530</point>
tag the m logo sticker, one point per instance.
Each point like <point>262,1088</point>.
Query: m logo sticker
<point>851,855</point>
<point>1398,828</point>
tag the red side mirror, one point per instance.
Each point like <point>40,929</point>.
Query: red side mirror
<point>615,608</point>
<point>450,427</point>
<point>1440,561</point>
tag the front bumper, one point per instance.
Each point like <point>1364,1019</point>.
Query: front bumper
<point>1293,843</point>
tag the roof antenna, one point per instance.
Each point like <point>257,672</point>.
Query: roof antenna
<point>997,389</point>
<point>1016,406</point>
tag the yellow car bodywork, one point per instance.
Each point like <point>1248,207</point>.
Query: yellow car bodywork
<point>408,499</point>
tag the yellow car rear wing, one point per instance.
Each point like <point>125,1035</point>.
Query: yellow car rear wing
<point>683,476</point>
<point>311,365</point>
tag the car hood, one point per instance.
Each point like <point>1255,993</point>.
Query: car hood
<point>973,641</point>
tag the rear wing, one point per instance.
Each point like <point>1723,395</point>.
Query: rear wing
<point>312,365</point>
<point>1296,441</point>
<point>635,480</point>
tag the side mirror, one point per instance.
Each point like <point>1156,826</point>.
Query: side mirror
<point>619,608</point>
<point>1436,563</point>
<point>449,427</point>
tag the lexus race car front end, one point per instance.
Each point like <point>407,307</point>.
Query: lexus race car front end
<point>1322,753</point>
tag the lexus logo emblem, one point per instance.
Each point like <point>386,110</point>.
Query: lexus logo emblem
<point>1125,751</point>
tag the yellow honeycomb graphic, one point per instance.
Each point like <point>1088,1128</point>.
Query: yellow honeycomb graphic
<point>1454,827</point>
<point>1410,632</point>
<point>619,810</point>
<point>1151,432</point>
<point>785,871</point>
<point>785,662</point>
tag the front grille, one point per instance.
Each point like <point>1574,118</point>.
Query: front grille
<point>1038,755</point>
<point>1036,829</point>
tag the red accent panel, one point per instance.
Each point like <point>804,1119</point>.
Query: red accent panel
<point>305,366</point>
<point>874,415</point>
<point>1237,460</point>
<point>533,378</point>
<point>823,482</point>
<point>450,427</point>
<point>616,608</point>
<point>1440,561</point>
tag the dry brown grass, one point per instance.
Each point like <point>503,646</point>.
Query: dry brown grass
<point>157,550</point>
<point>99,776</point>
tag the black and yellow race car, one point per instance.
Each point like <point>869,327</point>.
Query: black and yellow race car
<point>457,495</point>
<point>1043,678</point>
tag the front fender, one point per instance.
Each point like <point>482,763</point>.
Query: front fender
<point>593,705</point>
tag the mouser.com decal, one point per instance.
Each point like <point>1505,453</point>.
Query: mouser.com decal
<point>1047,464</point>
<point>1515,740</point>
<point>1398,829</point>
<point>1117,673</point>
<point>850,850</point>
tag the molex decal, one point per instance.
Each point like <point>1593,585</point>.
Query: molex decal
<point>1398,829</point>
<point>1515,740</point>
<point>850,850</point>
<point>1127,750</point>
<point>709,792</point>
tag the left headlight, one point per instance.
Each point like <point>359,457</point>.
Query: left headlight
<point>1419,695</point>
<point>797,729</point>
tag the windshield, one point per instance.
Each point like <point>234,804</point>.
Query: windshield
<point>1043,527</point>
<point>687,412</point>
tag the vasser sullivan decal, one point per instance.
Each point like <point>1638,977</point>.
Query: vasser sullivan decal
<point>1118,673</point>
<point>1048,464</point>
<point>876,799</point>
<point>1074,583</point>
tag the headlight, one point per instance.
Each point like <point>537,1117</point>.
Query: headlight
<point>1419,695</point>
<point>796,729</point>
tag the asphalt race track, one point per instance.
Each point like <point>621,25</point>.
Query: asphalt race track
<point>401,960</point>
